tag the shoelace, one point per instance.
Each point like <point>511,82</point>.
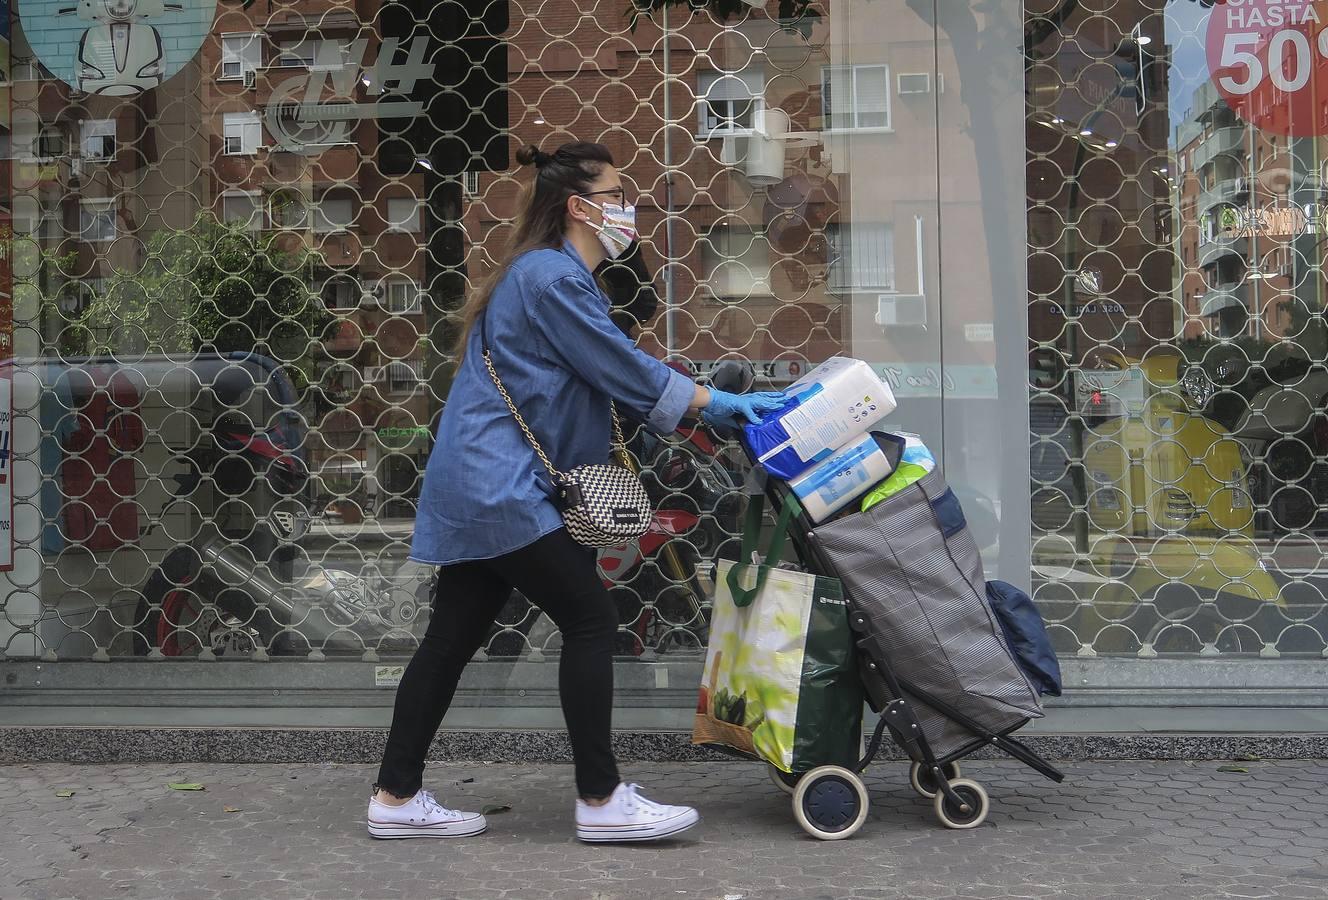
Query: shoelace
<point>634,790</point>
<point>431,804</point>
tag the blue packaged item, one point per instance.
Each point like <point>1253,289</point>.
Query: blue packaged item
<point>830,407</point>
<point>831,485</point>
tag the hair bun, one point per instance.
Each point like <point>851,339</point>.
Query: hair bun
<point>532,155</point>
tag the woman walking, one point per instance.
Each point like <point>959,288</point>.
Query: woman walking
<point>486,516</point>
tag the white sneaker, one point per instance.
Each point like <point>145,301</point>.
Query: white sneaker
<point>422,816</point>
<point>628,816</point>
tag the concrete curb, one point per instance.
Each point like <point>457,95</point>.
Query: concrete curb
<point>365,746</point>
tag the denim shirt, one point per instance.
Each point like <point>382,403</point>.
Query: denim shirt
<point>561,358</point>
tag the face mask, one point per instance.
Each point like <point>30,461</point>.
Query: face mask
<point>619,228</point>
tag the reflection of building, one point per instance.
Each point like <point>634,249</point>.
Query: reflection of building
<point>304,182</point>
<point>844,184</point>
<point>282,164</point>
<point>1237,189</point>
<point>781,250</point>
<point>746,240</point>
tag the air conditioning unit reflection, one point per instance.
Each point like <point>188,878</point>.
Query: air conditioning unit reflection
<point>914,83</point>
<point>251,79</point>
<point>901,309</point>
<point>733,150</point>
<point>375,374</point>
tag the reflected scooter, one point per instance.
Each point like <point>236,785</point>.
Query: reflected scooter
<point>1279,411</point>
<point>240,585</point>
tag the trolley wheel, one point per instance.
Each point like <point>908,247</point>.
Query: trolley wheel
<point>974,797</point>
<point>785,781</point>
<point>924,782</point>
<point>830,803</point>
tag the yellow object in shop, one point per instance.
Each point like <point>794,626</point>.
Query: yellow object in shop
<point>1168,468</point>
<point>1228,565</point>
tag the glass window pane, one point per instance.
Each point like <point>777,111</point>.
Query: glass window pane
<point>242,209</point>
<point>98,139</point>
<point>403,214</point>
<point>871,91</point>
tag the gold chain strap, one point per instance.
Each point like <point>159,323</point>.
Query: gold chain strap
<point>525,429</point>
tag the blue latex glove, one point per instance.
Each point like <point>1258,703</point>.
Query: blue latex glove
<point>732,410</point>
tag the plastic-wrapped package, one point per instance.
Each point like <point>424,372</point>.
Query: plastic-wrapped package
<point>838,481</point>
<point>832,405</point>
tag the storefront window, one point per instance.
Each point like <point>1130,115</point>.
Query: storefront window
<point>239,236</point>
<point>1176,322</point>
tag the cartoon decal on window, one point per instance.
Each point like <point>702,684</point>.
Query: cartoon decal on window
<point>117,48</point>
<point>121,53</point>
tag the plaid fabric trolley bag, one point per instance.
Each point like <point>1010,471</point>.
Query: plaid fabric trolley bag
<point>934,657</point>
<point>914,570</point>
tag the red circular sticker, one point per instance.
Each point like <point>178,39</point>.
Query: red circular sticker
<point>1269,60</point>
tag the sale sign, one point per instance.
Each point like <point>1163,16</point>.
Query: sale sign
<point>1269,60</point>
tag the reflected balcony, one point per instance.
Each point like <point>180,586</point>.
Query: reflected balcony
<point>1223,140</point>
<point>1225,309</point>
<point>1212,249</point>
<point>1230,191</point>
<point>1222,296</point>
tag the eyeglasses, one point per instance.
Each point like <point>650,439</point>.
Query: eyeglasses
<point>617,192</point>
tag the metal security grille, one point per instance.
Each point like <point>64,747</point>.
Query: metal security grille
<point>238,251</point>
<point>1179,387</point>
<point>238,235</point>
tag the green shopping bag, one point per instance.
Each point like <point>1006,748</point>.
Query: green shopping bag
<point>780,680</point>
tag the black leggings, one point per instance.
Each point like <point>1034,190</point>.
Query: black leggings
<point>560,577</point>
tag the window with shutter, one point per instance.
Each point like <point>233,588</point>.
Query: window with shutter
<point>97,220</point>
<point>860,256</point>
<point>340,292</point>
<point>404,375</point>
<point>240,53</point>
<point>51,142</point>
<point>335,212</point>
<point>727,102</point>
<point>98,139</point>
<point>856,97</point>
<point>242,208</point>
<point>403,296</point>
<point>242,133</point>
<point>403,214</point>
<point>312,53</point>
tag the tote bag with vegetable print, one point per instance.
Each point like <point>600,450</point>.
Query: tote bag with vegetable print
<point>780,680</point>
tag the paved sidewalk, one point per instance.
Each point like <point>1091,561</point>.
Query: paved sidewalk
<point>1168,830</point>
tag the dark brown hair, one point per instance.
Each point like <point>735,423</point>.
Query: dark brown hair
<point>542,222</point>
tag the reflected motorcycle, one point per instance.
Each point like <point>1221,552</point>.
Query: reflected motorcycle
<point>241,584</point>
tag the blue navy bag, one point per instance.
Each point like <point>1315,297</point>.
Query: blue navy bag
<point>1027,634</point>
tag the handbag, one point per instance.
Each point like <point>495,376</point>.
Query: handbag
<point>602,504</point>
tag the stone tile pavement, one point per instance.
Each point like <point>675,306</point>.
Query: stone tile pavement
<point>1172,830</point>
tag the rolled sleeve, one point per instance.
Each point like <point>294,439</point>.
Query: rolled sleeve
<point>673,403</point>
<point>572,317</point>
